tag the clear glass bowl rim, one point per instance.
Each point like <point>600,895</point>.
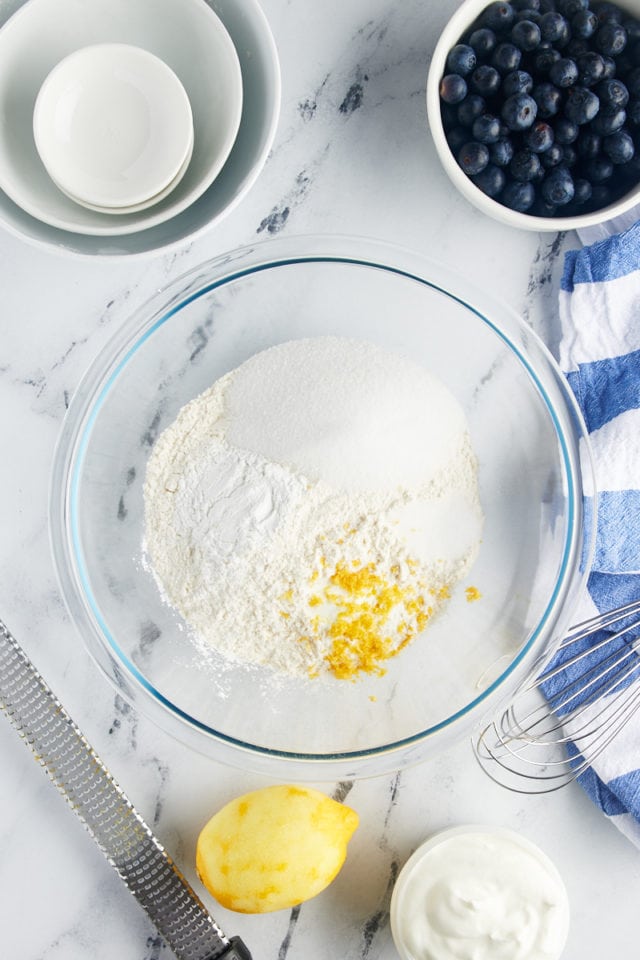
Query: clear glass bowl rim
<point>158,309</point>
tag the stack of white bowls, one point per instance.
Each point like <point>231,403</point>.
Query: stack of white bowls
<point>135,125</point>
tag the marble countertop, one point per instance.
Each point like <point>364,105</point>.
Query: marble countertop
<point>352,155</point>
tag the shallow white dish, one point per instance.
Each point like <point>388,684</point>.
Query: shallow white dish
<point>179,32</point>
<point>113,126</point>
<point>134,207</point>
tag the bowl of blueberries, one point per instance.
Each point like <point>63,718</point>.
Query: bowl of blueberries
<point>534,108</point>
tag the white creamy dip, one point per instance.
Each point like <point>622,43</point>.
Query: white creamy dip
<point>476,893</point>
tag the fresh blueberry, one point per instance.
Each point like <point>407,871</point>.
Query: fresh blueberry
<point>530,6</point>
<point>598,169</point>
<point>483,41</point>
<point>576,48</point>
<point>558,187</point>
<point>506,57</point>
<point>539,137</point>
<point>565,131</point>
<point>544,57</point>
<point>630,171</point>
<point>449,114</point>
<point>518,81</point>
<point>498,16</point>
<point>526,35</point>
<point>554,27</point>
<point>608,123</point>
<point>582,191</point>
<point>610,39</point>
<point>581,105</point>
<point>569,155</point>
<point>619,147</point>
<point>486,128</point>
<point>485,80</point>
<point>632,26</point>
<point>609,67</point>
<point>584,24</point>
<point>548,99</point>
<point>453,88</point>
<point>613,94</point>
<point>470,108</point>
<point>541,208</point>
<point>456,138</point>
<point>491,180</point>
<point>518,196</point>
<point>569,8</point>
<point>590,68</point>
<point>564,72</point>
<point>589,143</point>
<point>607,12</point>
<point>624,64</point>
<point>501,152</point>
<point>552,157</point>
<point>519,111</point>
<point>473,157</point>
<point>633,112</point>
<point>461,59</point>
<point>525,166</point>
<point>533,16</point>
<point>632,82</point>
<point>601,195</point>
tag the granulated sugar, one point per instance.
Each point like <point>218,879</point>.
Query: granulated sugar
<point>314,509</point>
<point>345,412</point>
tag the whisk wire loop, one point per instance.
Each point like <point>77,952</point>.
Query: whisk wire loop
<point>576,702</point>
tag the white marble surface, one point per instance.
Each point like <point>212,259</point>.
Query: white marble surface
<point>352,155</point>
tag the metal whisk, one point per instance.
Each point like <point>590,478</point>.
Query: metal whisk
<point>561,720</point>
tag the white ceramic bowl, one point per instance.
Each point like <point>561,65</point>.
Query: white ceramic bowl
<point>214,89</point>
<point>113,126</point>
<point>462,19</point>
<point>135,207</point>
<point>470,895</point>
<point>180,32</point>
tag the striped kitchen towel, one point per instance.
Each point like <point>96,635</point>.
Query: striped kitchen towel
<point>600,355</point>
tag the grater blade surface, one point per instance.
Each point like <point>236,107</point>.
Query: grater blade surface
<point>118,829</point>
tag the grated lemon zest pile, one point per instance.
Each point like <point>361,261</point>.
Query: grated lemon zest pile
<point>363,601</point>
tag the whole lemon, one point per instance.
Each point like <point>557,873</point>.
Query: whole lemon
<point>273,848</point>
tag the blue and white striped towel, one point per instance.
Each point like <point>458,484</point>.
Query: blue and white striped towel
<point>600,354</point>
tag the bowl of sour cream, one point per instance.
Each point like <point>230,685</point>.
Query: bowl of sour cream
<point>479,893</point>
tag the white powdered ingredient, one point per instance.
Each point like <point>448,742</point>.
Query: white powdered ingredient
<point>314,508</point>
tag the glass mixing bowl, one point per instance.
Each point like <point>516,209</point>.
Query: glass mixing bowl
<point>527,435</point>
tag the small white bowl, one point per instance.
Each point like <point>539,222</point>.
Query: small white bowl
<point>219,57</point>
<point>482,886</point>
<point>112,124</point>
<point>459,23</point>
<point>143,205</point>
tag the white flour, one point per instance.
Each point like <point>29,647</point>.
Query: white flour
<point>314,508</point>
